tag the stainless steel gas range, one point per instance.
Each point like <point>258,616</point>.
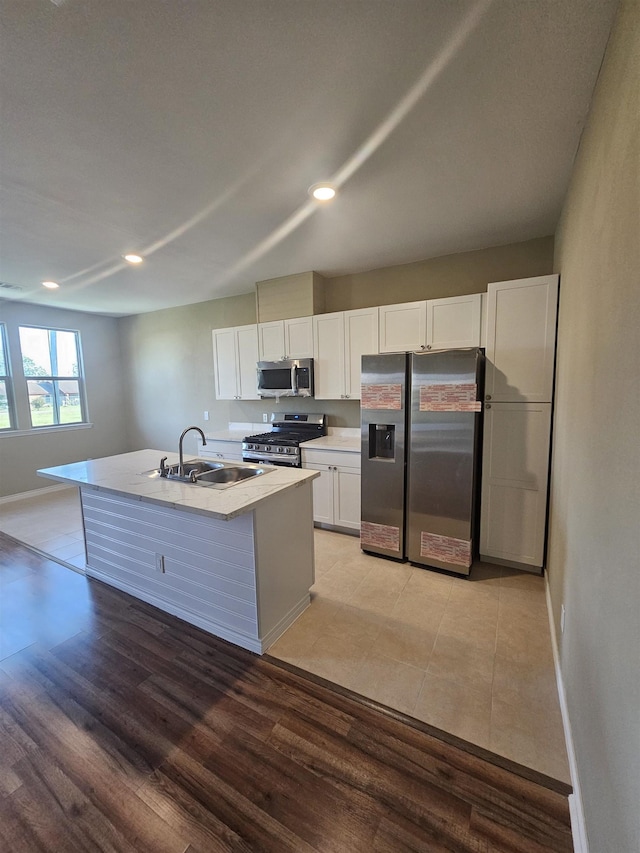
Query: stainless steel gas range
<point>281,446</point>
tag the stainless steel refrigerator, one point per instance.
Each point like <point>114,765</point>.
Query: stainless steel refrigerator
<point>421,438</point>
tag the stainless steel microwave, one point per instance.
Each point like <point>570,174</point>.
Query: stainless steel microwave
<point>287,378</point>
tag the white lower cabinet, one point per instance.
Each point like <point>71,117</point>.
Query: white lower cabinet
<point>336,492</point>
<point>322,494</point>
<point>515,475</point>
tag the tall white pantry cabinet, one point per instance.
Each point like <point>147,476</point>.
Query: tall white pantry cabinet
<point>520,359</point>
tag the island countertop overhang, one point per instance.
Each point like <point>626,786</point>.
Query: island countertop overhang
<point>126,474</point>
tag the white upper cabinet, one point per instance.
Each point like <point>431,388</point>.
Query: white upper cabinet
<point>271,340</point>
<point>447,323</point>
<point>403,327</point>
<point>521,335</point>
<point>298,337</point>
<point>286,339</point>
<point>329,363</point>
<point>340,341</point>
<point>247,349</point>
<point>225,364</point>
<point>360,338</point>
<point>455,322</point>
<point>235,354</point>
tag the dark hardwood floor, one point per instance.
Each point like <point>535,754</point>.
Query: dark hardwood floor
<point>124,729</point>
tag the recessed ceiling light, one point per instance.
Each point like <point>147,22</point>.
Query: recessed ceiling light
<point>52,285</point>
<point>133,259</point>
<point>322,192</point>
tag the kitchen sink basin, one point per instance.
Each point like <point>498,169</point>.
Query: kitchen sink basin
<point>230,475</point>
<point>197,466</point>
<point>215,475</point>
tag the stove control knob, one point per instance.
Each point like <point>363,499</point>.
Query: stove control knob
<point>249,446</point>
<point>281,450</point>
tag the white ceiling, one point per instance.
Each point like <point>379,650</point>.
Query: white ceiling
<point>190,131</point>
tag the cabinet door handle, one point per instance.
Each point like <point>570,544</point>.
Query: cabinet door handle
<point>488,406</point>
<point>428,346</point>
<point>488,397</point>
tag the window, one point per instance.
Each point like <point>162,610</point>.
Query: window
<point>7,418</point>
<point>51,361</point>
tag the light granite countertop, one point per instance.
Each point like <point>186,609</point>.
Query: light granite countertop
<point>338,438</point>
<point>333,442</point>
<point>346,438</point>
<point>127,475</point>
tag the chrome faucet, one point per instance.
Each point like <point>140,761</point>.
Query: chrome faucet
<point>181,458</point>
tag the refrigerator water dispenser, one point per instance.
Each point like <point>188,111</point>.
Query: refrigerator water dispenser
<point>382,441</point>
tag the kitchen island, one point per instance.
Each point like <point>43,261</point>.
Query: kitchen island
<point>237,562</point>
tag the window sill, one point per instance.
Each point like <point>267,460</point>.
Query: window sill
<point>7,433</point>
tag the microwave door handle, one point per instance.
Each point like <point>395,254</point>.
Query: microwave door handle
<point>294,379</point>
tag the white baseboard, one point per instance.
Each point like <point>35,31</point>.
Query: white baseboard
<point>576,809</point>
<point>34,493</point>
<point>286,622</point>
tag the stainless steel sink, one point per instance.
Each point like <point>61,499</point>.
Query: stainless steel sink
<point>215,475</point>
<point>197,466</point>
<point>230,475</point>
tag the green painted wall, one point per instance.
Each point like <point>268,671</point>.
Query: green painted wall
<point>594,544</point>
<point>450,275</point>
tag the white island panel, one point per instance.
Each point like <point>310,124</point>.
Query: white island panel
<point>153,553</point>
<point>237,562</point>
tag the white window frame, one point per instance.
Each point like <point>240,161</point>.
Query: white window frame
<point>8,381</point>
<point>56,378</point>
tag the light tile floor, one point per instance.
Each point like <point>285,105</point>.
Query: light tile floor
<point>51,522</point>
<point>470,656</point>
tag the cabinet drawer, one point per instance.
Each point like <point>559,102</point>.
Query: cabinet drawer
<point>331,457</point>
<point>221,450</point>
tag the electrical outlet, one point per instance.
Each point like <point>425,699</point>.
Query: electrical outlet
<point>206,416</point>
<point>562,613</point>
<point>265,418</point>
<point>160,563</point>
